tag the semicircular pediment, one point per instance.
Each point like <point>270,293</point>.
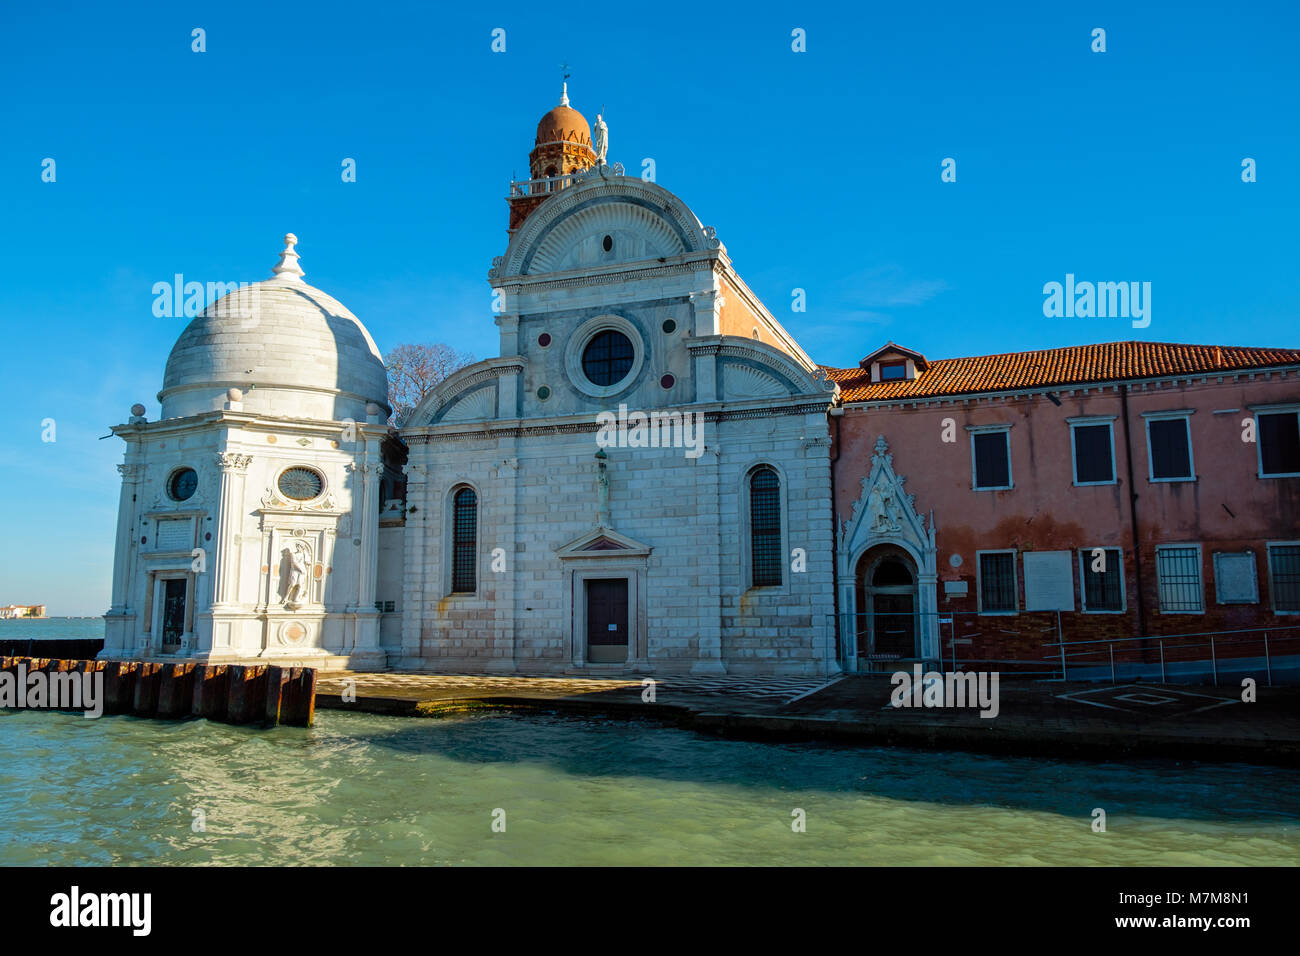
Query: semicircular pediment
<point>643,221</point>
<point>578,241</point>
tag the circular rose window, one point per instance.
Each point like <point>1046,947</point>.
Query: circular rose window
<point>182,484</point>
<point>300,484</point>
<point>607,357</point>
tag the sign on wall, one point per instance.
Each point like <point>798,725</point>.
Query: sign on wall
<point>1235,578</point>
<point>1049,581</point>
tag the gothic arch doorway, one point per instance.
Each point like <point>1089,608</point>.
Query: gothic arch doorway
<point>886,581</point>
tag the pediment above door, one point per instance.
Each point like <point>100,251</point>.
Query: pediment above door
<point>603,543</point>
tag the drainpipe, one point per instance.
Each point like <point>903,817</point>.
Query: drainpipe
<point>1133,515</point>
<point>836,413</point>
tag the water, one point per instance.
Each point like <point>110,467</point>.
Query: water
<point>363,789</point>
<point>63,628</point>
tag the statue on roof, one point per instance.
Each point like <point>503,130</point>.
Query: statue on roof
<point>600,140</point>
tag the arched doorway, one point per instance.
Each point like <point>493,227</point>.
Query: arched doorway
<point>887,604</point>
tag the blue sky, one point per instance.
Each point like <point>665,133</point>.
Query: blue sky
<point>820,170</point>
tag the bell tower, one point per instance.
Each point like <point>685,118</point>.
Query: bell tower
<point>561,150</point>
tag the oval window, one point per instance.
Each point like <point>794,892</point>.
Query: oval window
<point>607,357</point>
<point>300,484</point>
<point>608,243</point>
<point>182,484</point>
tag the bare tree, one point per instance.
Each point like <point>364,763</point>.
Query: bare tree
<point>415,370</point>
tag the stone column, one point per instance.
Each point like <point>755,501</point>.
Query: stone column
<point>367,652</point>
<point>119,622</point>
<point>413,547</point>
<point>709,524</point>
<point>223,561</point>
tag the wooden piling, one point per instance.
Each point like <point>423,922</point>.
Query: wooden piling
<point>146,690</point>
<point>119,686</point>
<point>247,699</point>
<point>298,703</point>
<point>231,693</point>
<point>176,691</point>
<point>211,691</point>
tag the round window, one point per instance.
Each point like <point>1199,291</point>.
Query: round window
<point>182,484</point>
<point>669,326</point>
<point>607,357</point>
<point>300,484</point>
<point>543,393</point>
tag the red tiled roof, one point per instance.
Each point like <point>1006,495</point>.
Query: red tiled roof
<point>1075,365</point>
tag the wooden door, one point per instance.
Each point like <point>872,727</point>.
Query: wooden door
<point>607,623</point>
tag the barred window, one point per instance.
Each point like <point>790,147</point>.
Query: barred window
<point>765,526</point>
<point>464,544</point>
<point>1178,573</point>
<point>1284,571</point>
<point>1103,579</point>
<point>992,459</point>
<point>997,573</point>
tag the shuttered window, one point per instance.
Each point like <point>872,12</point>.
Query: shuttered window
<point>1093,461</point>
<point>1171,449</point>
<point>992,456</point>
<point>1279,443</point>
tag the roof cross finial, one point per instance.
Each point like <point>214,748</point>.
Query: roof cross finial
<point>564,90</point>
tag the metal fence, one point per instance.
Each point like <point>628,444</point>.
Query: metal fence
<point>1268,650</point>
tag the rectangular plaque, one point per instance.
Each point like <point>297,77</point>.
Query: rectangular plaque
<point>1049,581</point>
<point>174,534</point>
<point>1235,577</point>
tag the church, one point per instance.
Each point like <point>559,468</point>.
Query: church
<point>653,477</point>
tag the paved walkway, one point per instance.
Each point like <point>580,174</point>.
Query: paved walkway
<point>1033,717</point>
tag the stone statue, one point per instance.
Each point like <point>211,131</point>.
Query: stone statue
<point>602,490</point>
<point>600,140</point>
<point>299,559</point>
<point>882,509</point>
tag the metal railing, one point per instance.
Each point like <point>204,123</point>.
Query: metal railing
<point>542,187</point>
<point>862,631</point>
<point>1266,638</point>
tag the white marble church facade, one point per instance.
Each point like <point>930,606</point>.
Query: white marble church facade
<point>522,432</point>
<point>531,537</point>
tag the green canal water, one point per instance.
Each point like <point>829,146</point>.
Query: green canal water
<point>361,789</point>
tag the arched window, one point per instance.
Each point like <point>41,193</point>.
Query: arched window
<point>464,541</point>
<point>765,526</point>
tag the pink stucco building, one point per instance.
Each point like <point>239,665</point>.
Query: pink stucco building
<point>1135,488</point>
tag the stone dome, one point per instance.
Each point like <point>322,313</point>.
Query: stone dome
<point>293,350</point>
